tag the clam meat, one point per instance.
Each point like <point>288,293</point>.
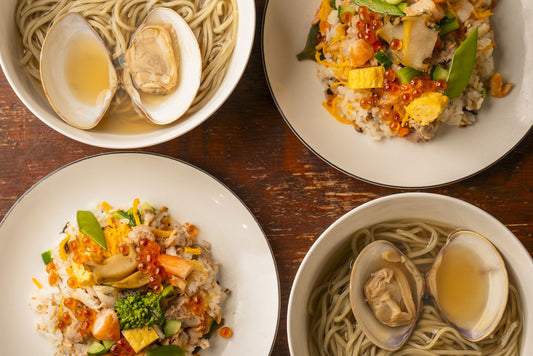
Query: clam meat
<point>163,67</point>
<point>386,291</point>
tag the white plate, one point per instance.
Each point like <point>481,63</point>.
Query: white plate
<point>454,153</point>
<point>238,243</point>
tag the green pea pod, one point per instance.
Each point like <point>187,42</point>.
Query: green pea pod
<point>89,226</point>
<point>380,6</point>
<point>310,46</point>
<point>167,350</point>
<point>462,65</point>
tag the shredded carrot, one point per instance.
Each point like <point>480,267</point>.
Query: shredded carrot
<point>39,285</point>
<point>162,233</point>
<point>62,252</point>
<point>402,131</point>
<point>451,9</point>
<point>108,208</point>
<point>334,113</point>
<point>193,251</point>
<point>486,48</point>
<point>199,266</point>
<point>481,14</point>
<point>136,203</point>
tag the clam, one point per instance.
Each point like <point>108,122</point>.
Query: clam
<point>162,67</point>
<point>77,73</point>
<point>469,284</point>
<point>160,70</point>
<point>386,291</point>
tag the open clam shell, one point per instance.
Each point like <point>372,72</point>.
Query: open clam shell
<point>166,103</point>
<point>469,284</point>
<point>374,258</point>
<point>77,73</point>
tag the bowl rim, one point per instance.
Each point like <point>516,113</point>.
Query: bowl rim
<point>333,238</point>
<point>238,64</point>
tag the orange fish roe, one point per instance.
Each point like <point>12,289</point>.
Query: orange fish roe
<point>225,332</point>
<point>392,99</point>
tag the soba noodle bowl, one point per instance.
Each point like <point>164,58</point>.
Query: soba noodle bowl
<point>214,22</point>
<point>333,329</point>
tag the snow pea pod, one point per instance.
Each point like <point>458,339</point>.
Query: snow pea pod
<point>310,46</point>
<point>462,65</point>
<point>380,6</point>
<point>89,226</point>
<point>167,350</point>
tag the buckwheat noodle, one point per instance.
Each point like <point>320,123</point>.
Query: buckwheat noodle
<point>214,22</point>
<point>333,330</point>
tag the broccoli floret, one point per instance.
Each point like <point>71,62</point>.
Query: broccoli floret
<point>141,309</point>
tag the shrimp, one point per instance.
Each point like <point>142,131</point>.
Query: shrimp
<point>360,52</point>
<point>106,325</point>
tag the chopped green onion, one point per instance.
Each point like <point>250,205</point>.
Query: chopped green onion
<point>333,4</point>
<point>407,73</point>
<point>448,24</point>
<point>47,256</point>
<point>383,59</point>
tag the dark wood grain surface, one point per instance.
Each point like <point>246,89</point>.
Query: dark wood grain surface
<point>247,145</point>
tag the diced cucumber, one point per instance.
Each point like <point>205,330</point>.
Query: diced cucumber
<point>346,13</point>
<point>107,344</point>
<point>439,72</point>
<point>406,74</point>
<point>171,327</point>
<point>96,349</point>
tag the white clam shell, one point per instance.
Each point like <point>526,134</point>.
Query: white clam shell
<point>164,109</point>
<point>369,261</point>
<point>491,264</point>
<point>62,35</point>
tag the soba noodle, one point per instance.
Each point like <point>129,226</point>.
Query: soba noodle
<point>214,22</point>
<point>334,332</point>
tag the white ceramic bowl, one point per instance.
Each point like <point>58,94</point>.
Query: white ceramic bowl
<point>408,205</point>
<point>111,136</point>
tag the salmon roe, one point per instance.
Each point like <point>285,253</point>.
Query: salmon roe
<point>396,96</point>
<point>367,25</point>
<point>226,332</point>
<point>147,262</point>
<point>121,348</point>
<point>82,313</point>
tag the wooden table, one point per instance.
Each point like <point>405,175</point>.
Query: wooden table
<point>247,145</point>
